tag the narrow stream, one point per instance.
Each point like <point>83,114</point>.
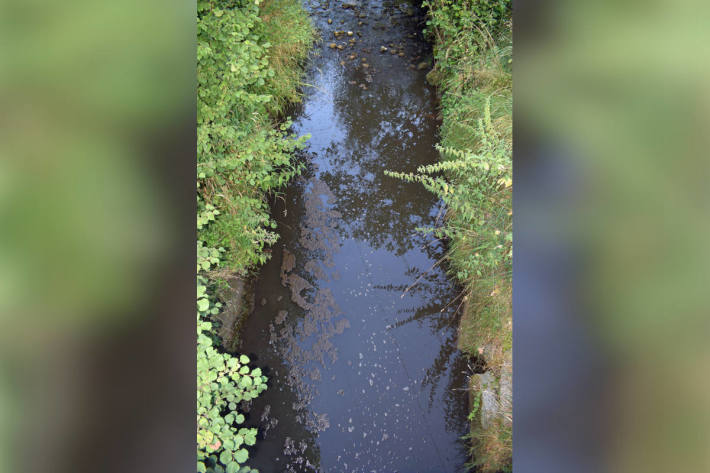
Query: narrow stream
<point>351,323</point>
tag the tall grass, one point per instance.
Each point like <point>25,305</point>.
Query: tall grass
<point>292,36</point>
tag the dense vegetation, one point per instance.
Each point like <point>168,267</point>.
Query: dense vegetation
<point>248,69</point>
<point>248,57</point>
<point>473,61</point>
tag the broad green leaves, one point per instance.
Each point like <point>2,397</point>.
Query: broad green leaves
<point>226,457</point>
<point>223,381</point>
<point>241,455</point>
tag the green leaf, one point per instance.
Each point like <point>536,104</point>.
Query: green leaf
<point>232,467</point>
<point>225,457</point>
<point>203,305</point>
<point>241,455</point>
<point>229,445</point>
<point>243,359</point>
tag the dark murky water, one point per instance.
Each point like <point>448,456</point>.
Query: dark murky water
<point>363,369</point>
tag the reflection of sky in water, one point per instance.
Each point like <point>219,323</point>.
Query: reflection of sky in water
<point>389,397</point>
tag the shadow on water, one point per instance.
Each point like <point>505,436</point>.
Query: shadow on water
<point>353,320</point>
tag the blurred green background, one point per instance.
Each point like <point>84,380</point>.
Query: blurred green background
<point>97,236</point>
<point>94,98</point>
<point>623,87</point>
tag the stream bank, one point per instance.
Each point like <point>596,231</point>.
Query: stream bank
<point>249,63</point>
<point>473,74</point>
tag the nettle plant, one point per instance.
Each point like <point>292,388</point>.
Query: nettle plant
<point>476,188</point>
<point>223,380</point>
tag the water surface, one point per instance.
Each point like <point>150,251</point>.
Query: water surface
<point>354,324</point>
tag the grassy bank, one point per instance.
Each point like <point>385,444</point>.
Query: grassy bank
<point>473,63</point>
<point>473,60</point>
<point>249,58</point>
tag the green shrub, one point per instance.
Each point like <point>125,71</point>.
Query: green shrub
<point>241,155</point>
